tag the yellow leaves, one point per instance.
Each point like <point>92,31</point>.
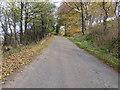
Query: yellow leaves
<point>73,30</point>
<point>18,60</point>
<point>7,74</point>
<point>4,79</point>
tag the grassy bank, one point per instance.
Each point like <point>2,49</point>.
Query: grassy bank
<point>107,58</point>
<point>23,56</point>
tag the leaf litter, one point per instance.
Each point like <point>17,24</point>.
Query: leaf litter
<point>19,59</point>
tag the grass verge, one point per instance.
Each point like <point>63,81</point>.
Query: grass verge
<point>108,59</point>
<point>17,60</point>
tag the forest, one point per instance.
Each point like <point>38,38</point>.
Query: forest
<point>23,23</point>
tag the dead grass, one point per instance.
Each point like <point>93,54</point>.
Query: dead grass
<point>24,57</point>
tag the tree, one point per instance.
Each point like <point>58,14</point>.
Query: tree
<point>26,22</point>
<point>21,23</point>
<point>106,7</point>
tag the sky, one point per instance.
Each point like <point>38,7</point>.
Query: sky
<point>57,4</point>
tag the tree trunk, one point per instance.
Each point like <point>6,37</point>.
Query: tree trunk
<point>6,42</point>
<point>119,36</point>
<point>26,23</point>
<point>15,35</point>
<point>105,18</point>
<point>21,24</point>
<point>83,22</point>
<point>105,22</point>
<point>26,16</point>
<point>65,30</point>
<point>42,22</point>
<point>5,30</point>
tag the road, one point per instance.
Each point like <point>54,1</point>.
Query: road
<point>64,65</point>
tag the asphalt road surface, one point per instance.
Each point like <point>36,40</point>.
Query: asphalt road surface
<point>64,65</point>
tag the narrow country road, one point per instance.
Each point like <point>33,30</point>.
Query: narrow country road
<point>64,65</point>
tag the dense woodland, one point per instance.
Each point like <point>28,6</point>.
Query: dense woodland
<point>23,23</point>
<point>95,22</point>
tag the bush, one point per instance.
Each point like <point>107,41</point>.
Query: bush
<point>7,48</point>
<point>20,45</point>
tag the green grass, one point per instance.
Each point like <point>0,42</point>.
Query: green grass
<point>0,53</point>
<point>107,58</point>
<point>13,51</point>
